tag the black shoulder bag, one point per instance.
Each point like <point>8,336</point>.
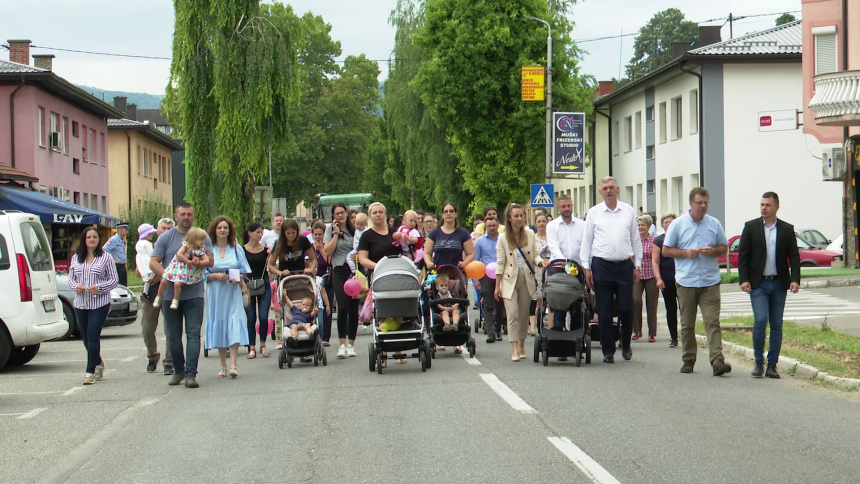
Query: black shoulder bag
<point>256,287</point>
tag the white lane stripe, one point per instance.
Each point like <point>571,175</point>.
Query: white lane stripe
<point>72,391</point>
<point>471,361</point>
<point>32,413</point>
<point>586,464</point>
<point>129,358</point>
<point>26,393</point>
<point>84,351</point>
<point>507,394</point>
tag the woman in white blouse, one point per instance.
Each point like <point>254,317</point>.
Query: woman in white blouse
<point>92,275</point>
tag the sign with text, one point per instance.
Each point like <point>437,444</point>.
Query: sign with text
<point>568,143</point>
<point>533,83</point>
<point>542,195</point>
<point>777,120</point>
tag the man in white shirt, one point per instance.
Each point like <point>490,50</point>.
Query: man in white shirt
<point>611,255</point>
<point>564,239</point>
<point>270,237</point>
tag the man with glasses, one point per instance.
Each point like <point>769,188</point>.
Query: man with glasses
<point>695,240</point>
<point>611,255</point>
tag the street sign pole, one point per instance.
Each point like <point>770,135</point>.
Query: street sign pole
<point>548,167</point>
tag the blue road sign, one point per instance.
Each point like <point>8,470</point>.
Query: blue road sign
<point>542,195</point>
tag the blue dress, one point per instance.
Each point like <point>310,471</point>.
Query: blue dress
<point>226,323</point>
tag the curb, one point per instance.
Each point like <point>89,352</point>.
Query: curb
<point>790,366</point>
<point>829,282</point>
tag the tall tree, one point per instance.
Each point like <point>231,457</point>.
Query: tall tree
<point>231,88</point>
<point>784,19</point>
<point>470,81</point>
<point>653,46</point>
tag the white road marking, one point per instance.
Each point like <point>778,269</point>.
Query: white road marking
<point>26,393</point>
<point>32,413</point>
<point>84,351</point>
<point>586,464</point>
<point>471,361</point>
<point>507,394</point>
<point>72,391</point>
<point>129,358</point>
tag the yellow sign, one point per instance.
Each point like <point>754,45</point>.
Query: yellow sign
<point>533,83</point>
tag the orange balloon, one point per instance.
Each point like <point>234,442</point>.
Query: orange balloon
<point>475,270</point>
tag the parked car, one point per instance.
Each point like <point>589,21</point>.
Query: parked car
<point>809,256</point>
<point>836,245</point>
<point>29,310</point>
<point>813,238</point>
<point>123,306</point>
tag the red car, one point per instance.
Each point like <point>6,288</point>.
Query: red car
<point>809,256</point>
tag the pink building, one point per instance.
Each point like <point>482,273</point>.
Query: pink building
<point>53,129</point>
<point>831,96</point>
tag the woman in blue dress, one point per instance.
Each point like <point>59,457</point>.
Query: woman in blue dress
<point>226,322</point>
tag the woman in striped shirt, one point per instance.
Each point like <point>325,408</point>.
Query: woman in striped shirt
<point>92,275</point>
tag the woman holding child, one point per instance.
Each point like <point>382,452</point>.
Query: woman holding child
<point>338,240</point>
<point>226,321</point>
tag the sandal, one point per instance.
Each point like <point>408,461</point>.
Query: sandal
<point>458,351</point>
<point>233,372</point>
<point>252,353</point>
<point>222,372</point>
<point>306,359</point>
<point>278,346</point>
<point>440,348</point>
<point>265,353</point>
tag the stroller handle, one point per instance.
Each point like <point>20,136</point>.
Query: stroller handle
<point>449,300</point>
<point>560,263</point>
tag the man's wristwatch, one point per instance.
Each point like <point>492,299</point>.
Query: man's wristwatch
<point>637,268</point>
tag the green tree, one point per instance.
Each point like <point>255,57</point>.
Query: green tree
<point>469,79</point>
<point>785,18</point>
<point>232,85</point>
<point>653,46</point>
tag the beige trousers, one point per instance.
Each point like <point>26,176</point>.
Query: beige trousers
<point>708,299</point>
<point>517,309</point>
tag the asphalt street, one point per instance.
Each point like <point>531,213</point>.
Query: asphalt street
<point>485,420</point>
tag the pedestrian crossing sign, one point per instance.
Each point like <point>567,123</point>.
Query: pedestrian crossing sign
<point>542,195</point>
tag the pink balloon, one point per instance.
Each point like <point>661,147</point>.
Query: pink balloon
<point>491,270</point>
<point>419,255</point>
<point>352,287</point>
<point>271,327</point>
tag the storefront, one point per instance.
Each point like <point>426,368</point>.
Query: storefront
<point>63,221</point>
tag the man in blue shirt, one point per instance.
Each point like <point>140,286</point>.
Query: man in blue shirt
<point>485,252</point>
<point>115,246</point>
<point>695,240</point>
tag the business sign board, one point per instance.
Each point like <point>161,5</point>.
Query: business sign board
<point>533,83</point>
<point>777,120</point>
<point>568,143</point>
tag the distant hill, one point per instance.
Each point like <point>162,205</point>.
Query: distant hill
<point>142,99</point>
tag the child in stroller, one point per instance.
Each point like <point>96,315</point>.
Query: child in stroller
<point>302,317</point>
<point>300,333</point>
<point>448,311</point>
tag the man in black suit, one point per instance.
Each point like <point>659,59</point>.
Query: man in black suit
<point>768,248</point>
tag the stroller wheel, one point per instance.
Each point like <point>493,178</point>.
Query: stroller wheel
<point>317,358</point>
<point>205,353</point>
<point>544,355</point>
<point>289,360</point>
<point>324,358</point>
<point>587,350</point>
<point>281,358</point>
<point>422,356</point>
<point>472,348</point>
<point>579,353</point>
<point>371,357</point>
<point>379,363</point>
<point>537,349</point>
<point>427,356</point>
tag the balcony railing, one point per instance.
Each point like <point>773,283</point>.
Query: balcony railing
<point>836,101</point>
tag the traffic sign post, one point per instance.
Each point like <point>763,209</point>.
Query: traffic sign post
<point>542,195</point>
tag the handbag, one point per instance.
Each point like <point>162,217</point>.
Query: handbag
<point>256,287</point>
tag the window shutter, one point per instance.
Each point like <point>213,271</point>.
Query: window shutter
<point>825,54</point>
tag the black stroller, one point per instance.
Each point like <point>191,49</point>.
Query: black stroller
<point>564,290</point>
<point>460,291</point>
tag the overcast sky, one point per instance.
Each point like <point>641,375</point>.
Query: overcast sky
<point>146,28</point>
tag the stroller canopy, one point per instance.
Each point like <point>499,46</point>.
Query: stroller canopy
<point>395,278</point>
<point>562,291</point>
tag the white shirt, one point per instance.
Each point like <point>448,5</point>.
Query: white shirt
<point>565,240</point>
<point>270,238</point>
<point>611,235</point>
<point>770,242</point>
<point>143,250</point>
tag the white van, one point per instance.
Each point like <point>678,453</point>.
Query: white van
<point>30,311</point>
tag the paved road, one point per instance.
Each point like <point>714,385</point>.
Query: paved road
<point>634,422</point>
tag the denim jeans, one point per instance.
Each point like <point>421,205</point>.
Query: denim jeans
<point>259,307</point>
<point>768,303</point>
<point>192,311</point>
<point>90,323</point>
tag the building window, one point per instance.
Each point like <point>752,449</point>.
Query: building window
<point>104,204</point>
<point>145,164</point>
<point>77,198</point>
<point>677,117</point>
<point>649,113</point>
<point>663,122</point>
<point>637,126</point>
<point>86,146</point>
<point>65,135</point>
<point>649,152</point>
<point>169,171</point>
<point>617,135</point>
<point>85,200</point>
<point>55,125</point>
<point>76,166</point>
<point>92,146</point>
<point>75,131</point>
<point>825,49</point>
<point>664,197</point>
<point>678,194</point>
<point>650,186</point>
<point>694,111</point>
<point>41,126</point>
<point>102,145</point>
<point>94,202</point>
<point>628,194</point>
<point>628,134</point>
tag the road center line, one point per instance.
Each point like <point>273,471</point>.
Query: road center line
<point>471,361</point>
<point>507,394</point>
<point>72,391</point>
<point>10,394</point>
<point>129,358</point>
<point>586,464</point>
<point>32,413</point>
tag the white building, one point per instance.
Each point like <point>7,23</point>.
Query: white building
<point>663,145</point>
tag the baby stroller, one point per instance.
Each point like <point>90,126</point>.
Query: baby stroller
<point>459,289</point>
<point>298,287</point>
<point>564,290</point>
<point>395,291</point>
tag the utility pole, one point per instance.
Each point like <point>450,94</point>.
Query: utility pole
<point>731,26</point>
<point>548,98</point>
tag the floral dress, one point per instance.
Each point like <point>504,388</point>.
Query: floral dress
<point>179,271</point>
<point>542,248</point>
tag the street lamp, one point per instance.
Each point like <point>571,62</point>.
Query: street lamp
<point>548,97</point>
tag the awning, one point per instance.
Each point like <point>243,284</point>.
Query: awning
<point>51,210</point>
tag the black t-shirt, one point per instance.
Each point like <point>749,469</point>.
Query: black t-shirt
<point>667,264</point>
<point>378,246</point>
<point>257,262</point>
<point>292,263</point>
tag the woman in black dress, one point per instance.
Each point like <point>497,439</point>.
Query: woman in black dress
<point>258,310</point>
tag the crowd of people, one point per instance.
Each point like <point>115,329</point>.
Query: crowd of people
<point>212,275</point>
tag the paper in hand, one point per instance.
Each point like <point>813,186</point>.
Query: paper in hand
<point>233,274</point>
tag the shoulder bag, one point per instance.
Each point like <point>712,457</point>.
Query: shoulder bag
<point>526,261</point>
<point>256,287</point>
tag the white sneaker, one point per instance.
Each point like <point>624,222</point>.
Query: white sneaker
<point>350,350</point>
<point>100,372</point>
<point>174,304</point>
<point>341,352</point>
<point>88,379</point>
<point>157,302</point>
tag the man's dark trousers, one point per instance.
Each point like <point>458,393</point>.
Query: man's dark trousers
<point>613,279</point>
<point>494,311</point>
